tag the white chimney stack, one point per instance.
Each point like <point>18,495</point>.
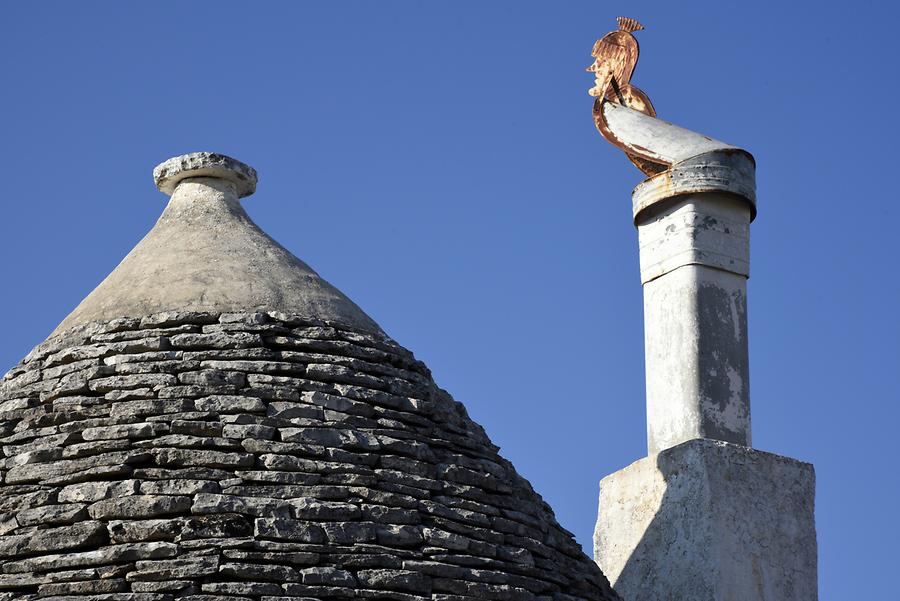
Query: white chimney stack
<point>695,261</point>
<point>703,517</point>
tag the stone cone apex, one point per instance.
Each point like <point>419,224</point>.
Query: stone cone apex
<point>205,254</point>
<point>217,423</point>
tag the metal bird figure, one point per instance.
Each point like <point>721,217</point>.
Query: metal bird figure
<point>615,57</point>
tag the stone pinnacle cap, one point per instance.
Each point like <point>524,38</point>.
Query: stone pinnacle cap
<point>168,174</point>
<point>205,254</point>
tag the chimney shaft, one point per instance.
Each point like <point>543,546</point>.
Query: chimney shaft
<point>694,256</point>
<point>693,220</point>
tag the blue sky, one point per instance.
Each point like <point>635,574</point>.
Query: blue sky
<point>437,162</point>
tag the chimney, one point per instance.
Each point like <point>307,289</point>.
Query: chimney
<point>704,517</point>
<point>693,224</point>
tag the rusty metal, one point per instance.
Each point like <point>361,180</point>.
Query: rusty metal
<point>615,57</point>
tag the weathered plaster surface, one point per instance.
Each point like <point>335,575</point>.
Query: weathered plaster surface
<point>695,257</point>
<point>709,521</point>
<point>206,254</point>
<point>704,517</point>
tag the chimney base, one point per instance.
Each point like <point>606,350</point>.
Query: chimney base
<point>708,520</point>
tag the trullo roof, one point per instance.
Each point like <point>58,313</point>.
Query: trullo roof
<point>215,422</point>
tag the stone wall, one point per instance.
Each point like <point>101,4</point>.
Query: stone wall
<point>260,456</point>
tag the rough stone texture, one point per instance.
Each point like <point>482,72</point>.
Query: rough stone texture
<point>709,521</point>
<point>168,174</point>
<point>695,260</point>
<point>260,456</point>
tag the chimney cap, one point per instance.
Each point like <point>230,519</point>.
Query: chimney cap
<point>169,173</point>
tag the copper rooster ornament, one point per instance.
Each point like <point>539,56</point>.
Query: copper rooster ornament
<point>615,56</point>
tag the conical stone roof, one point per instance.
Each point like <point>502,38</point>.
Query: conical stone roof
<point>215,422</point>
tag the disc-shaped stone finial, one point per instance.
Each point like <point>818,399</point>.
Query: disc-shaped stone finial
<point>205,164</point>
